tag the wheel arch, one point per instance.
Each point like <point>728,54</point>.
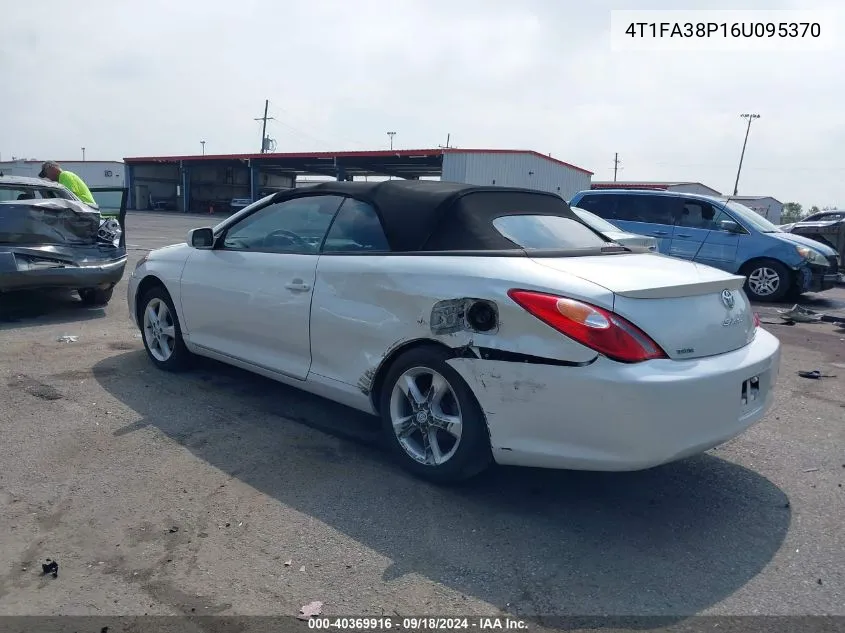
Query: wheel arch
<point>387,362</point>
<point>748,264</point>
<point>146,284</point>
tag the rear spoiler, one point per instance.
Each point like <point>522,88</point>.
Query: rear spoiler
<point>120,212</point>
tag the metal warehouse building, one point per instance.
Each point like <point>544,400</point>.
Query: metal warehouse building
<point>228,182</point>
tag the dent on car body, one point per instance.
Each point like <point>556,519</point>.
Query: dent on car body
<point>47,242</point>
<point>456,323</point>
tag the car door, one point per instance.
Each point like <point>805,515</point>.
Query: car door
<point>648,214</point>
<point>249,297</point>
<point>355,301</point>
<point>701,235</point>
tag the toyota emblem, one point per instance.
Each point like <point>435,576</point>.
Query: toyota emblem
<point>728,298</point>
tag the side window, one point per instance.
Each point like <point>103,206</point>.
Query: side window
<point>647,209</point>
<point>697,214</point>
<point>602,205</point>
<point>292,226</point>
<point>357,228</point>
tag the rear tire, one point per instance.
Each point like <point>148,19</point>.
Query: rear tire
<point>767,280</point>
<point>161,332</point>
<point>96,296</point>
<point>431,420</point>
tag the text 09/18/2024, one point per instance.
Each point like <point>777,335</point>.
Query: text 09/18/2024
<point>724,30</point>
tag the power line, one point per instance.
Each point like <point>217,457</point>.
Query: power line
<point>447,146</point>
<point>287,115</point>
<point>264,119</point>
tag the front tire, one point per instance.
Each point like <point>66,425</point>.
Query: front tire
<point>161,332</point>
<point>767,280</point>
<point>96,297</point>
<point>431,420</point>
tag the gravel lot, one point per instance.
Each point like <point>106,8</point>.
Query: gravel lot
<point>219,492</point>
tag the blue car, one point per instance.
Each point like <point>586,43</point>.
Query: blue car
<point>723,234</point>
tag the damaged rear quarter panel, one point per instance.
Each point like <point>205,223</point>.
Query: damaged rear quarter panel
<point>365,307</point>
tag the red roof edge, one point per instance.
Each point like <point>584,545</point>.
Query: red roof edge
<point>399,153</point>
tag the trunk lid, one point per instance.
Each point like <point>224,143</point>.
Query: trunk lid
<point>689,309</point>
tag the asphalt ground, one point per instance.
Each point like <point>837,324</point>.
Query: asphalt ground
<point>219,492</point>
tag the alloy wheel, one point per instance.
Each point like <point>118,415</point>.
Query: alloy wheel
<point>764,281</point>
<point>426,416</point>
<point>159,330</point>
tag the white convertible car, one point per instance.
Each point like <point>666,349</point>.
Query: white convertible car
<point>480,323</point>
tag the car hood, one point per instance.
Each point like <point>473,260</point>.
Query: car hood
<point>800,240</point>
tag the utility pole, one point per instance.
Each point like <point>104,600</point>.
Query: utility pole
<point>615,165</point>
<point>203,147</point>
<point>83,154</point>
<point>446,146</point>
<point>750,118</point>
<point>391,135</point>
<point>264,119</point>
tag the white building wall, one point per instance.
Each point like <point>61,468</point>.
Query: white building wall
<point>94,173</point>
<point>514,170</point>
<point>766,206</point>
<point>693,187</point>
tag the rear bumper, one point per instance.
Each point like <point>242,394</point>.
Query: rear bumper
<point>105,274</point>
<point>616,417</point>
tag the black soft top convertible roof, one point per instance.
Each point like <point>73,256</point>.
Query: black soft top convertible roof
<point>425,215</point>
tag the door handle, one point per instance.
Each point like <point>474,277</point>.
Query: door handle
<point>684,235</point>
<point>298,285</point>
<point>659,233</point>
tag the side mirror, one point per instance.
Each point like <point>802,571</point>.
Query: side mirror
<point>730,226</point>
<point>201,238</point>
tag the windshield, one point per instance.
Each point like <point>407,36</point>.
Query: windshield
<point>750,217</point>
<point>599,224</point>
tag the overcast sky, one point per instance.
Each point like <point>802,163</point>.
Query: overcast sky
<point>159,77</point>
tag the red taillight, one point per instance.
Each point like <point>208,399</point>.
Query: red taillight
<point>595,327</point>
<point>756,320</point>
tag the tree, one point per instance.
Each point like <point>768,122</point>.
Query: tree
<point>814,209</point>
<point>792,212</point>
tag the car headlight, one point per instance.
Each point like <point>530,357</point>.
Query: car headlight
<point>812,255</point>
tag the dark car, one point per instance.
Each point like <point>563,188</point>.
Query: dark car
<point>51,239</point>
<point>827,227</point>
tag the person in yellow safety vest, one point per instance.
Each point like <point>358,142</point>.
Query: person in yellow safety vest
<point>51,170</point>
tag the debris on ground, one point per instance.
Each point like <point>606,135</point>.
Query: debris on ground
<point>288,563</point>
<point>776,323</point>
<point>799,314</point>
<point>814,375</point>
<point>810,470</point>
<point>174,529</point>
<point>310,610</point>
<point>302,568</point>
<point>67,338</point>
<point>50,567</point>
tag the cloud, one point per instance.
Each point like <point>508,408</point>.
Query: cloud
<point>160,76</point>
